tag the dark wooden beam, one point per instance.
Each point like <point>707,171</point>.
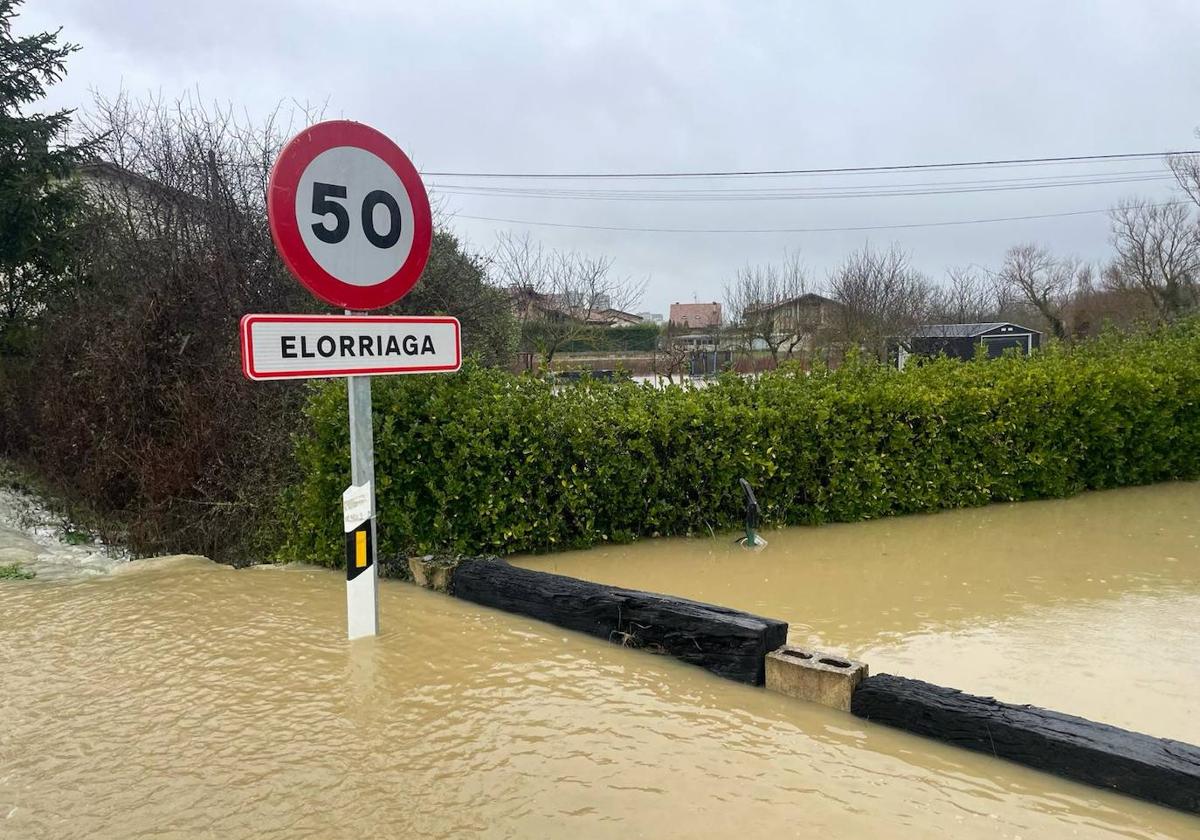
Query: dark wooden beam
<point>727,642</point>
<point>1157,769</point>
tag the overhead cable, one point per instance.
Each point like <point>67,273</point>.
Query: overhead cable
<point>857,228</point>
<point>741,173</point>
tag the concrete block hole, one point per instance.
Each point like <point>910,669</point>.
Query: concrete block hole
<point>795,654</point>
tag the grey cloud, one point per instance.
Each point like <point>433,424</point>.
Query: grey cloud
<point>621,86</point>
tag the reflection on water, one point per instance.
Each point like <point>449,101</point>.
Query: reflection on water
<point>189,700</point>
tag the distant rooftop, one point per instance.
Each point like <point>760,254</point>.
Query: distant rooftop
<point>696,314</point>
<point>962,330</point>
<point>806,297</point>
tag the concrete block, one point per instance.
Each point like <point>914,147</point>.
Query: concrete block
<point>433,572</point>
<point>814,675</point>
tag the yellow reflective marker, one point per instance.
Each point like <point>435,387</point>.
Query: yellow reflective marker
<point>360,549</point>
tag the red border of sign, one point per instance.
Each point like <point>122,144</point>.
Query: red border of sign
<point>318,373</point>
<point>285,230</point>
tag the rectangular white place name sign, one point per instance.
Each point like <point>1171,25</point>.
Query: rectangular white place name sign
<point>315,346</point>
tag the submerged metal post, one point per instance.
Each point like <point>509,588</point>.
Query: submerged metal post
<point>362,577</point>
<point>752,539</point>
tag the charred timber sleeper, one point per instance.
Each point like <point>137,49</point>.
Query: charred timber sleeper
<point>1157,769</point>
<point>730,643</point>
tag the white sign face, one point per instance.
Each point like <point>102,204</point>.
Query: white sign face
<point>316,346</point>
<point>356,505</point>
<point>354,216</point>
<point>349,215</point>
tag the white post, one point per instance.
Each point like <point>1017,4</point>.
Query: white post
<point>362,576</point>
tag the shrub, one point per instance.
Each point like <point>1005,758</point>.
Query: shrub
<point>484,461</point>
<point>130,400</point>
<point>634,337</point>
<point>14,571</point>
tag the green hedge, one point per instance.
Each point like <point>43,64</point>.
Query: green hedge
<point>635,337</point>
<point>484,461</point>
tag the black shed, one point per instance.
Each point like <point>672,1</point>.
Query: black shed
<point>959,341</point>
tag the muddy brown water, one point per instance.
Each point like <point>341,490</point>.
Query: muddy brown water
<point>1088,605</point>
<point>191,700</point>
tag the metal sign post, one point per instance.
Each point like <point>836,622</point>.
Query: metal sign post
<point>351,220</point>
<point>362,574</point>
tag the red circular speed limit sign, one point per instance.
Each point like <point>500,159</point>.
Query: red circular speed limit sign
<point>349,215</point>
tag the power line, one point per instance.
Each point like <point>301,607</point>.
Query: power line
<point>1157,172</point>
<point>907,167</point>
<point>776,195</point>
<point>950,223</point>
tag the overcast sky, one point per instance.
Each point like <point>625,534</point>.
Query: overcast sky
<point>641,86</point>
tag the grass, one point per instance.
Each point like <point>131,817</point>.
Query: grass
<point>14,571</point>
<point>73,537</point>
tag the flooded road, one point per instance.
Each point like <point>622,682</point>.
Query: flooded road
<point>183,699</point>
<point>1088,605</point>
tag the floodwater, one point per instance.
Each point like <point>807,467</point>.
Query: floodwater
<point>1088,605</point>
<point>180,699</point>
<point>32,537</point>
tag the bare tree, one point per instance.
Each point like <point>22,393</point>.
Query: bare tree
<point>881,295</point>
<point>1103,298</point>
<point>1031,274</point>
<point>559,296</point>
<point>1186,169</point>
<point>141,374</point>
<point>1158,251</point>
<point>673,353</point>
<point>189,180</point>
<point>762,302</point>
<point>521,265</point>
<point>966,298</point>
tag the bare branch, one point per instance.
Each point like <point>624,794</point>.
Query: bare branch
<point>1031,274</point>
<point>1158,252</point>
<point>1186,169</point>
<point>770,306</point>
<point>966,298</point>
<point>881,295</point>
<point>559,296</point>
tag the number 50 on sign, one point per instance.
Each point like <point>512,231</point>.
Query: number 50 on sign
<point>350,215</point>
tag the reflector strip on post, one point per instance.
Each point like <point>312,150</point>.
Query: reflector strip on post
<point>359,543</point>
<point>360,549</point>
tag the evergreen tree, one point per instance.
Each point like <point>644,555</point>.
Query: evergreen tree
<point>39,202</point>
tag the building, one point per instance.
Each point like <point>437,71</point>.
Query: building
<point>696,315</point>
<point>529,304</point>
<point>149,206</point>
<point>806,313</point>
<point>651,317</point>
<point>613,318</point>
<point>799,325</point>
<point>693,341</point>
<point>961,341</point>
